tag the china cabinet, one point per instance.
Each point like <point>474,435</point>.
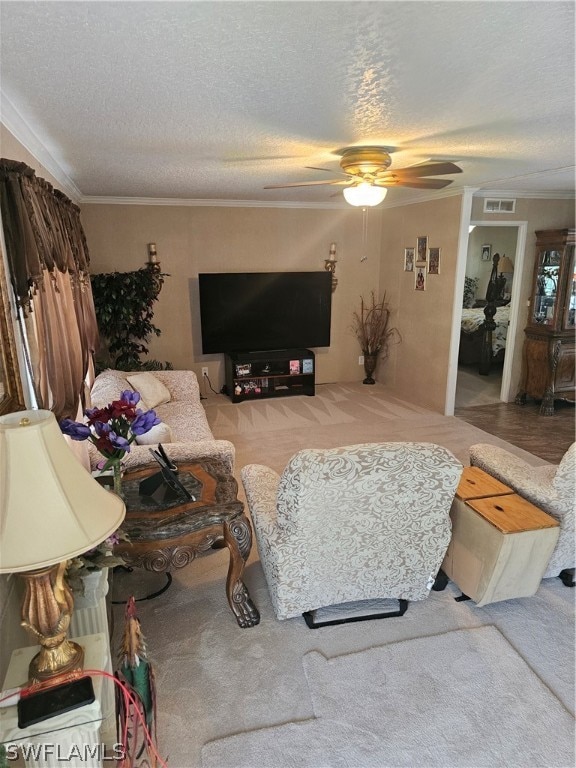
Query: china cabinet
<point>549,344</point>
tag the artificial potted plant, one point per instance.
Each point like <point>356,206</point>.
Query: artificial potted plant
<point>124,307</point>
<point>371,324</point>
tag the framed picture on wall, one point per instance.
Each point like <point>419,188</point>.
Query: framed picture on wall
<point>408,259</point>
<point>434,261</point>
<point>420,280</point>
<point>486,252</point>
<point>421,248</point>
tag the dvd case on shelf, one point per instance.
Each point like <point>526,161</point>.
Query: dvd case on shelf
<point>308,365</point>
<point>294,367</point>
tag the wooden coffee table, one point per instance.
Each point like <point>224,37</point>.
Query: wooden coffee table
<point>169,536</point>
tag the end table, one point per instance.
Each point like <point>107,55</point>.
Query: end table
<point>172,534</point>
<point>72,738</point>
<point>501,543</point>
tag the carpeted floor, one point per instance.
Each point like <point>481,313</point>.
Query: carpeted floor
<point>215,680</point>
<point>270,431</point>
<point>391,706</point>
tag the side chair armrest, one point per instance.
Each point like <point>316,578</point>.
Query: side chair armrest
<point>536,483</point>
<point>261,487</point>
<point>500,463</point>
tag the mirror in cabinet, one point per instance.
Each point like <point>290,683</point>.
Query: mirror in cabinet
<point>546,287</point>
<point>549,354</point>
<point>569,316</point>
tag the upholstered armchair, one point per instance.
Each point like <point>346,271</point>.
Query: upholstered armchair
<point>550,487</point>
<point>355,523</point>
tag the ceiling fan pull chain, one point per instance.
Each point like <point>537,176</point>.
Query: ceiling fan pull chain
<point>364,234</point>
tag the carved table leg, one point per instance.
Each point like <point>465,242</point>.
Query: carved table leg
<point>238,538</point>
<point>547,407</point>
<point>520,398</point>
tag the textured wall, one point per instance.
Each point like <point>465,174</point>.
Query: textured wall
<point>418,366</point>
<point>12,149</point>
<point>192,239</point>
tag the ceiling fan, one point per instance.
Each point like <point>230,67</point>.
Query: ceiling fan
<point>368,176</point>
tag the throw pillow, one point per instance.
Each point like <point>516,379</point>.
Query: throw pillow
<point>161,433</point>
<point>151,389</point>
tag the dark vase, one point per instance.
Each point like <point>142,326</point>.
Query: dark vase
<point>369,367</point>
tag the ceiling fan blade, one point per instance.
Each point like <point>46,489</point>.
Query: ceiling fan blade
<point>424,169</point>
<point>260,158</point>
<point>306,184</point>
<point>415,183</point>
<point>328,170</point>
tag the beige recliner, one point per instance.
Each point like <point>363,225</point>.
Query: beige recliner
<point>356,523</point>
<point>550,487</point>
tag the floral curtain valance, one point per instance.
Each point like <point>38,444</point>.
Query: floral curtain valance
<point>48,263</point>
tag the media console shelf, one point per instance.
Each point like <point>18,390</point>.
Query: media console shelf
<point>256,375</point>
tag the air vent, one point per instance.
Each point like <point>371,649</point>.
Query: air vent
<point>492,205</point>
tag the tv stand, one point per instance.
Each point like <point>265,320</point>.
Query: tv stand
<point>278,373</point>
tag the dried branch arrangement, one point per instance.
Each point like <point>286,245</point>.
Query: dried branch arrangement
<point>371,326</point>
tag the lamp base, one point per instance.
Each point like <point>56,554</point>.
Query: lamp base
<point>49,662</point>
<point>46,612</point>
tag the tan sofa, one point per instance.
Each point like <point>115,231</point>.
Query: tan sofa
<point>190,438</point>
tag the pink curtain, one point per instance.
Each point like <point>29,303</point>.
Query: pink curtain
<point>48,259</point>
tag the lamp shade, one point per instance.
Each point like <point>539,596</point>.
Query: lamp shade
<point>505,266</point>
<point>364,194</point>
<point>51,508</point>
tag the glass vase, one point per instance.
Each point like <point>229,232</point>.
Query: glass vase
<point>370,362</point>
<point>117,474</point>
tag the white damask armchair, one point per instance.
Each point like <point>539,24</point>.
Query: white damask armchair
<point>550,487</point>
<point>356,523</point>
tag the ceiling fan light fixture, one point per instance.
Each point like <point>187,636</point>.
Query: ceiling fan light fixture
<point>364,194</point>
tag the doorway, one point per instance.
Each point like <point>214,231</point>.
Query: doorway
<point>484,241</point>
<point>485,238</point>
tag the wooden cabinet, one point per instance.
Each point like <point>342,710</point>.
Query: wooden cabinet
<point>256,375</point>
<point>548,370</point>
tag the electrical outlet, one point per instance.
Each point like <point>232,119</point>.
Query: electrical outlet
<point>204,371</point>
<point>360,359</point>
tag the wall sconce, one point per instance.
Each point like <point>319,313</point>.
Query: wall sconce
<point>330,265</point>
<point>152,255</point>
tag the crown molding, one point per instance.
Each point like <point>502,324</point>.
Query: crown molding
<point>511,194</point>
<point>388,203</point>
<point>23,133</point>
<point>427,197</point>
<point>176,201</point>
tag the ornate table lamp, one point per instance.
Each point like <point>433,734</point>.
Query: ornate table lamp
<point>51,510</point>
<point>505,273</point>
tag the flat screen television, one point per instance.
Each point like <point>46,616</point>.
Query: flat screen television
<point>262,311</point>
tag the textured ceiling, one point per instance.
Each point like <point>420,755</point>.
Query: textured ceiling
<point>214,100</point>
